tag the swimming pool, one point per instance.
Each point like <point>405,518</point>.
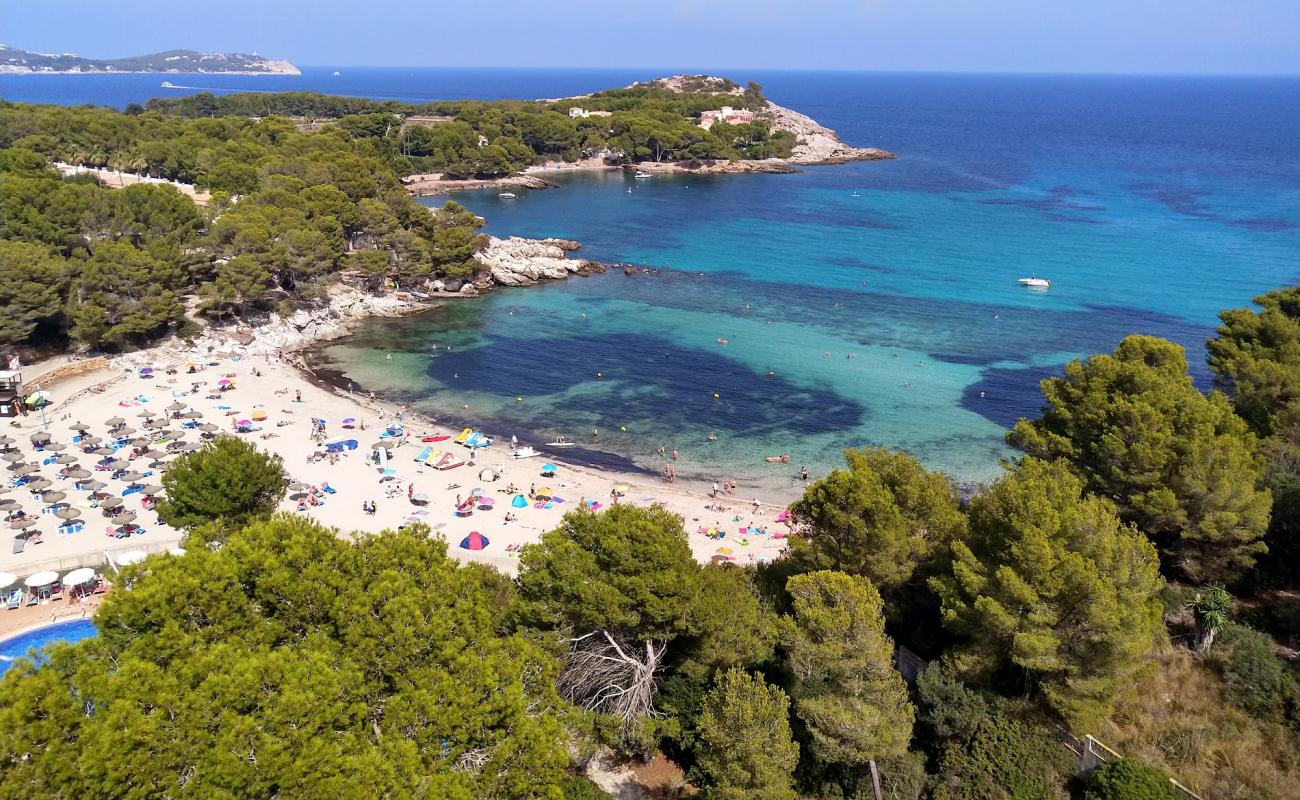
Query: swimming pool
<point>20,645</point>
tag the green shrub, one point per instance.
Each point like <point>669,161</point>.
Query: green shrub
<point>579,788</point>
<point>1005,760</point>
<point>1127,779</point>
<point>1255,678</point>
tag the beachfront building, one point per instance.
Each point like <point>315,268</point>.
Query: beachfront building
<point>727,114</point>
<point>11,393</point>
<point>582,113</point>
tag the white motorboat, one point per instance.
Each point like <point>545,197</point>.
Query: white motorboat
<point>507,195</point>
<point>168,85</point>
<point>560,444</point>
<point>642,174</point>
<point>1035,283</point>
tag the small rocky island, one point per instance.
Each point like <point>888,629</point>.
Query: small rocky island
<point>13,61</point>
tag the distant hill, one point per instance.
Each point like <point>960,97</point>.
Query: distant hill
<point>192,61</point>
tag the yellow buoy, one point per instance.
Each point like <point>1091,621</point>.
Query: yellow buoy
<point>716,396</point>
<point>623,428</point>
<point>519,399</point>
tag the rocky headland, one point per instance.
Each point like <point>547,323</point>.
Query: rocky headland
<point>815,145</point>
<point>514,261</point>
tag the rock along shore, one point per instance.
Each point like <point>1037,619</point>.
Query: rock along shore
<point>514,261</point>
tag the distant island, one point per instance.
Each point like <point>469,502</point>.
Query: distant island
<point>176,61</point>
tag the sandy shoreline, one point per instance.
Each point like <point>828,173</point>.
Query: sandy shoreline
<point>269,384</point>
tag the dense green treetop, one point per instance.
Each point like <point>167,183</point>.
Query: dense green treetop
<point>227,480</point>
<point>846,692</point>
<point>1256,357</point>
<point>289,213</point>
<point>1179,464</point>
<point>880,518</point>
<point>746,750</point>
<point>1052,587</point>
<point>646,122</point>
<point>290,663</point>
<point>627,569</point>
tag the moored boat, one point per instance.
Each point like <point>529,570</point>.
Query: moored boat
<point>1035,282</point>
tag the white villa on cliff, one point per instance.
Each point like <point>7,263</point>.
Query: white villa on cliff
<point>582,113</point>
<point>727,114</point>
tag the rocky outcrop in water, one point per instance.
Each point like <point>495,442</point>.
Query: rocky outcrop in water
<point>816,143</point>
<point>517,261</point>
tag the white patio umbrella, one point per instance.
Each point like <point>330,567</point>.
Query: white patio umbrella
<point>7,579</point>
<point>131,557</point>
<point>42,578</point>
<point>79,576</point>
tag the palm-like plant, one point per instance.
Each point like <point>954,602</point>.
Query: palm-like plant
<point>1211,607</point>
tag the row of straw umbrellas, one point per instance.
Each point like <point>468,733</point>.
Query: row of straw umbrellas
<point>155,439</point>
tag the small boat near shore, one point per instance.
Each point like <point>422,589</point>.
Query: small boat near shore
<point>642,174</point>
<point>560,444</point>
<point>507,195</point>
<point>1035,283</point>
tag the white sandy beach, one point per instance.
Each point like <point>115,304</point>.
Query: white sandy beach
<point>267,385</point>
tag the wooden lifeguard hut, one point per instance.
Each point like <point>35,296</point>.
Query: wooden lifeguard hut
<point>11,393</point>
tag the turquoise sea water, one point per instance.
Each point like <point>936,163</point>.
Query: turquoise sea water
<point>1151,203</point>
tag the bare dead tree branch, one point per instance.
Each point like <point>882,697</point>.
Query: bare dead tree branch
<point>611,677</point>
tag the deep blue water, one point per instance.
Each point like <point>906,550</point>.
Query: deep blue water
<point>1151,204</point>
<point>21,646</point>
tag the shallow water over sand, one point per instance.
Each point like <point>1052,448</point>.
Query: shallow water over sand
<point>871,303</point>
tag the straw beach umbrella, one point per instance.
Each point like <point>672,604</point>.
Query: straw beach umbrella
<point>40,484</point>
<point>53,496</point>
<point>24,469</point>
<point>67,514</point>
<point>77,474</point>
<point>12,458</point>
<point>67,459</point>
<point>125,518</point>
<point>56,446</point>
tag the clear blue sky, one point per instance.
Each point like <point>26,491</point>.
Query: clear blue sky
<point>1127,36</point>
